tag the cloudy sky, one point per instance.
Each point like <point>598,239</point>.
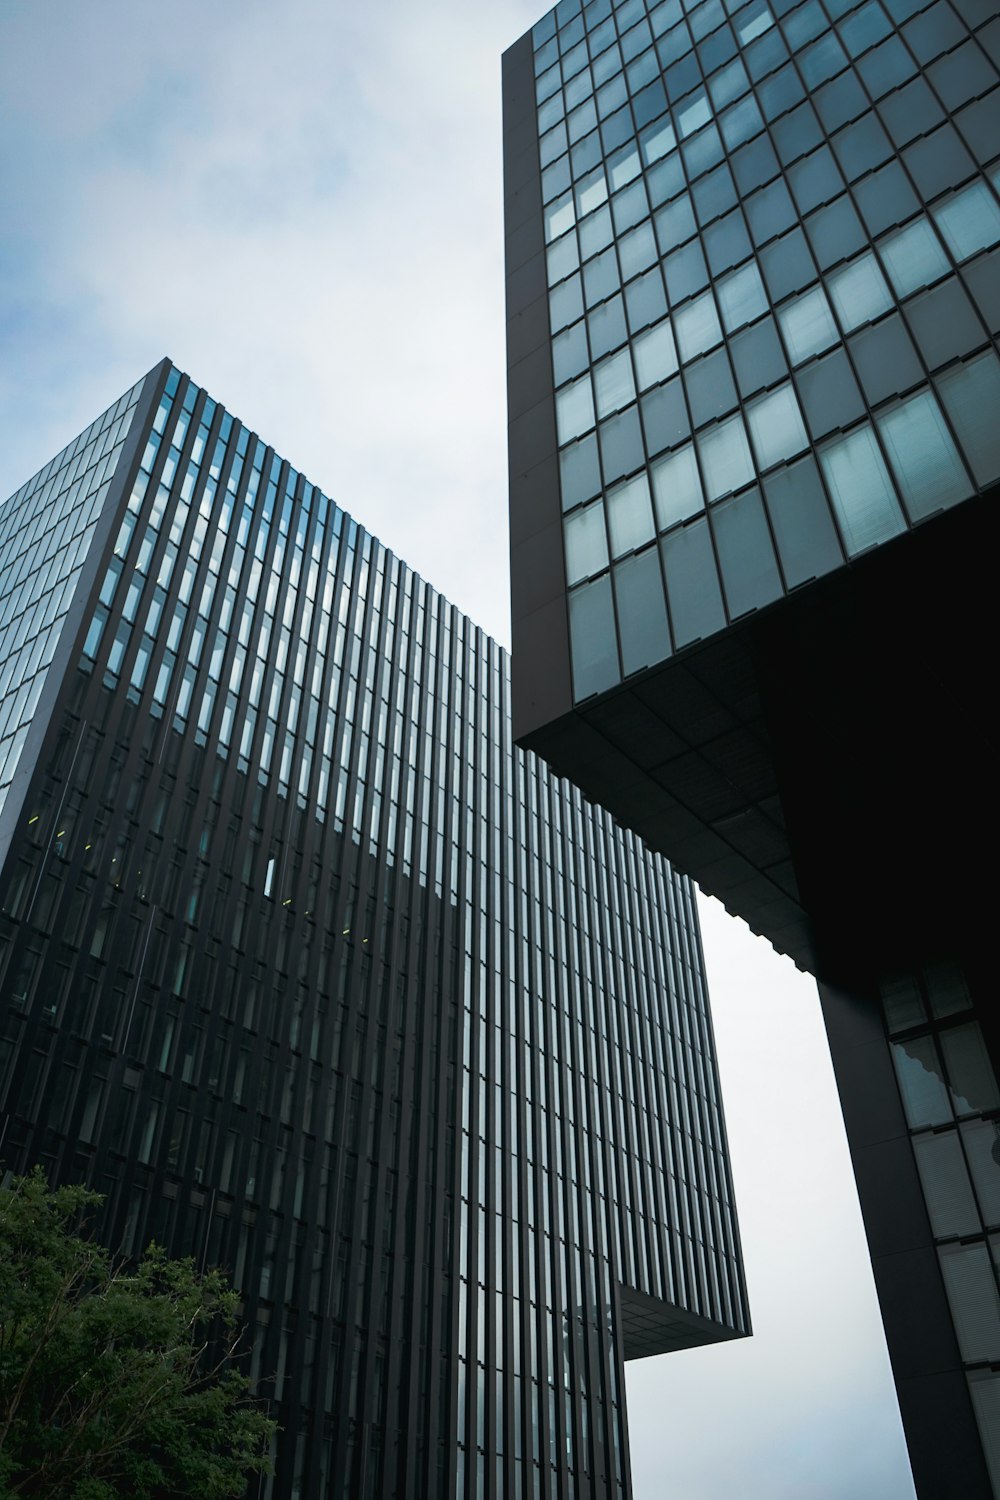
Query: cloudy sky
<point>300,204</point>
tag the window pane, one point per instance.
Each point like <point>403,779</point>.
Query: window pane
<point>675,223</point>
<point>753,21</point>
<point>630,515</point>
<point>776,427</point>
<point>903,1004</point>
<point>600,278</point>
<point>951,1205</point>
<point>725,457</point>
<point>566,303</point>
<point>591,191</point>
<point>592,635</point>
<point>693,113</point>
<point>918,1071</point>
<point>970,1072</point>
<point>808,326</point>
<point>606,326</point>
<point>621,445</point>
<point>562,258</point>
<point>984,1388</point>
<point>579,472</point>
<point>971,396</point>
<point>574,410</point>
<point>642,613</point>
<point>692,583</point>
<point>697,327</point>
<point>972,1292</point>
<point>637,250</point>
<point>586,543</point>
<point>861,490</point>
<point>645,300</point>
<point>859,292</point>
<point>925,461</point>
<point>559,216</point>
<point>746,557</point>
<point>803,526</point>
<point>569,353</point>
<point>946,988</point>
<point>655,355</point>
<point>970,221</point>
<point>980,1138</point>
<point>614,384</point>
<point>741,297</point>
<point>913,257</point>
<point>676,487</point>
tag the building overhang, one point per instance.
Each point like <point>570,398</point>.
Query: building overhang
<point>855,695</point>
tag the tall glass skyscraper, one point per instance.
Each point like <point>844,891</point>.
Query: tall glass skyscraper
<point>753,279</point>
<point>316,977</point>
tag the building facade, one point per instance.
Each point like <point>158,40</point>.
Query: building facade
<point>318,978</point>
<point>753,282</point>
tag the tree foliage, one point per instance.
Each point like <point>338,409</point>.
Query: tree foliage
<point>112,1384</point>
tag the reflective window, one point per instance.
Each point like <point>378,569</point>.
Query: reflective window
<point>921,1082</point>
<point>574,409</point>
<point>560,215</point>
<point>807,324</point>
<point>971,1285</point>
<point>970,221</point>
<point>861,490</point>
<point>697,326</point>
<point>803,527</point>
<point>586,543</point>
<point>776,427</point>
<point>569,353</point>
<point>924,459</point>
<point>675,224</point>
<point>696,607</point>
<point>655,355</point>
<point>665,417</point>
<point>913,257</point>
<point>613,383</point>
<point>592,637</point>
<point>621,444</point>
<point>630,515</point>
<point>725,457</point>
<point>971,1079</point>
<point>753,21</point>
<point>944,1177</point>
<point>727,243</point>
<point>579,472</point>
<point>600,278</point>
<point>637,250</point>
<point>676,487</point>
<point>565,303</point>
<point>741,297</point>
<point>645,299</point>
<point>606,327</point>
<point>729,83</point>
<point>859,292</point>
<point>750,574</point>
<point>642,611</point>
<point>971,397</point>
<point>562,258</point>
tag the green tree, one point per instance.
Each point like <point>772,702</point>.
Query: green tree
<point>111,1380</point>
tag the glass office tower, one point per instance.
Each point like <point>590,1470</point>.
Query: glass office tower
<point>753,285</point>
<point>317,978</point>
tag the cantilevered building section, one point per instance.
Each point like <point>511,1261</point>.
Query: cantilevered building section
<point>317,978</point>
<point>754,396</point>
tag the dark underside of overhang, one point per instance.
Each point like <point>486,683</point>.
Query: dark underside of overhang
<point>649,1326</point>
<point>820,767</point>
